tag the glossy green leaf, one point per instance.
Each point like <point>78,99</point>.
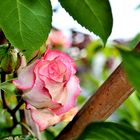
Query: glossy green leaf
<point>26,23</point>
<point>95,15</point>
<point>109,131</point>
<point>131,63</point>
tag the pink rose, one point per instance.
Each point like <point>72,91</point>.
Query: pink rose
<point>50,88</point>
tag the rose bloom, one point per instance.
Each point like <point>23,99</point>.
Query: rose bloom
<point>50,88</point>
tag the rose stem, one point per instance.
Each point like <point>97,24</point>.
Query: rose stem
<point>20,103</point>
<point>5,106</point>
<point>21,112</point>
<point>114,91</point>
<point>2,92</point>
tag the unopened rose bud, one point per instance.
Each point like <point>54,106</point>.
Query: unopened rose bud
<point>9,61</point>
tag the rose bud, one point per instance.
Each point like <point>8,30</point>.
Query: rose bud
<point>9,61</point>
<point>50,88</point>
<point>12,61</point>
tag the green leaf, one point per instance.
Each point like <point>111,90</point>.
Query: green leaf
<point>132,44</point>
<point>7,87</point>
<point>3,51</point>
<point>95,15</point>
<point>131,63</point>
<point>26,23</point>
<point>109,131</point>
<point>49,135</point>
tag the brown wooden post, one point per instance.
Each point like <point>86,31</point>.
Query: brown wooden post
<point>114,91</point>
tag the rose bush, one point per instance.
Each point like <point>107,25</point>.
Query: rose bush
<point>50,88</point>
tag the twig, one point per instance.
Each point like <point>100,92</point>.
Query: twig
<point>5,106</point>
<point>20,103</point>
<point>101,105</point>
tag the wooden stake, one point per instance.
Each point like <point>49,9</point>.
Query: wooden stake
<point>114,91</point>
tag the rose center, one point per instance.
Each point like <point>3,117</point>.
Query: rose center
<point>56,70</point>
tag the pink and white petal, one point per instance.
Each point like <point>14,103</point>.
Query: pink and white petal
<point>65,66</point>
<point>39,96</point>
<point>43,69</point>
<point>52,54</point>
<point>39,64</point>
<point>44,118</point>
<point>68,116</point>
<point>26,78</point>
<point>73,90</point>
<point>50,69</point>
<point>56,90</point>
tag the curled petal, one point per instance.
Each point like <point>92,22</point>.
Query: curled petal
<point>53,70</point>
<point>44,118</point>
<point>39,96</point>
<point>26,78</point>
<point>51,55</point>
<point>57,91</point>
<point>68,116</point>
<point>73,90</point>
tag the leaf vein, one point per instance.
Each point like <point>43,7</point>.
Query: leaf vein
<point>93,12</point>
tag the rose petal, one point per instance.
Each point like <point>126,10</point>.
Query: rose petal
<point>68,116</point>
<point>73,90</point>
<point>26,77</point>
<point>39,96</point>
<point>53,70</point>
<point>57,91</point>
<point>52,54</point>
<point>44,118</point>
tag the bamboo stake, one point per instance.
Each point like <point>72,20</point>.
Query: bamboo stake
<point>114,91</point>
